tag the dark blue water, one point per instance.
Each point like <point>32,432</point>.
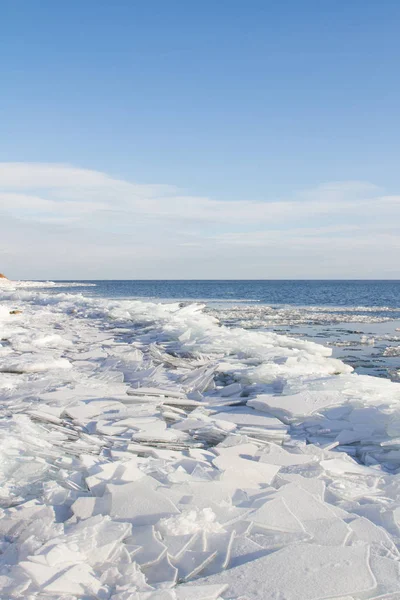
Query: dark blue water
<point>299,293</point>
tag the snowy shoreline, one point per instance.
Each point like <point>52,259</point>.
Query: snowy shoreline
<point>149,453</point>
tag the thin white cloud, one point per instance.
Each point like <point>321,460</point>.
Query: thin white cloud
<point>55,176</point>
<point>71,219</point>
<point>62,189</point>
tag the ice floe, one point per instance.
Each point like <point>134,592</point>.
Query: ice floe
<point>148,452</point>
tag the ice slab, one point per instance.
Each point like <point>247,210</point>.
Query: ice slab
<point>200,592</point>
<point>365,530</point>
<point>221,543</point>
<point>244,550</point>
<point>386,573</point>
<point>304,505</point>
<point>32,365</point>
<point>301,572</point>
<point>328,532</point>
<point>75,580</point>
<point>163,572</point>
<point>236,449</point>
<point>85,507</point>
<point>191,563</point>
<point>178,544</point>
<point>202,494</point>
<point>151,548</point>
<point>249,473</point>
<point>276,455</point>
<point>316,487</point>
<point>298,405</point>
<point>340,466</point>
<point>275,515</point>
<point>249,417</point>
<point>112,472</point>
<point>84,411</point>
<point>138,503</point>
<point>152,391</point>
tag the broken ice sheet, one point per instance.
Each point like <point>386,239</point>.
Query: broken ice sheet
<point>177,544</point>
<point>250,473</point>
<point>276,455</point>
<point>200,592</point>
<point>299,405</point>
<point>275,515</point>
<point>151,548</point>
<point>193,506</point>
<point>137,503</point>
<point>301,572</point>
<point>164,573</point>
<point>191,563</point>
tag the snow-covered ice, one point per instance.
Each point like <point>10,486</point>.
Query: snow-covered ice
<point>150,453</point>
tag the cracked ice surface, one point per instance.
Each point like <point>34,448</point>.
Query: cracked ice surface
<point>149,453</point>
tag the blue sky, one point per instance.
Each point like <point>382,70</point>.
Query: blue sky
<point>228,102</point>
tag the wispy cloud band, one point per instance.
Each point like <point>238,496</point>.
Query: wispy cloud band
<point>101,219</point>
